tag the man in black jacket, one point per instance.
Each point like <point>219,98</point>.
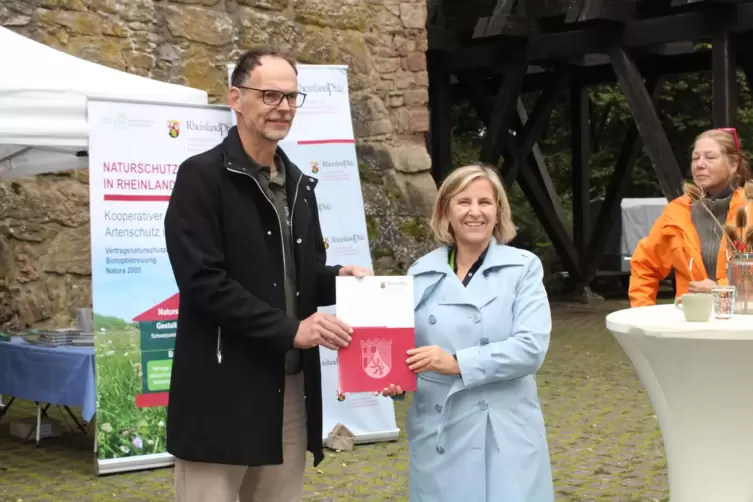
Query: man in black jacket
<point>244,241</point>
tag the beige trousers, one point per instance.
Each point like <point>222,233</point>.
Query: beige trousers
<point>201,482</point>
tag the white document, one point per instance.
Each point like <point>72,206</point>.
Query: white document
<point>376,301</point>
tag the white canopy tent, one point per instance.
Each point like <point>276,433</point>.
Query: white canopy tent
<point>43,101</point>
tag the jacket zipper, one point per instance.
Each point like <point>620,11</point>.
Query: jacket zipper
<point>219,345</point>
<point>671,222</point>
<point>292,212</point>
<point>282,240</point>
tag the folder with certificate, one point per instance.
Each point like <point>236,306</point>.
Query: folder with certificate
<point>380,311</point>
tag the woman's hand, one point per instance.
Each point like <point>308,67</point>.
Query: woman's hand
<point>704,286</point>
<point>432,358</point>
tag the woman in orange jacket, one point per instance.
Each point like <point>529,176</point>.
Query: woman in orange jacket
<point>688,237</point>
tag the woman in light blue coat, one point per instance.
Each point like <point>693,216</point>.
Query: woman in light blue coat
<point>482,318</point>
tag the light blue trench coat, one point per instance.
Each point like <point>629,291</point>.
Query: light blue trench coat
<point>480,437</point>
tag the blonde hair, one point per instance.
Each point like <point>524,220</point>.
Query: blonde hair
<point>729,147</point>
<point>456,182</point>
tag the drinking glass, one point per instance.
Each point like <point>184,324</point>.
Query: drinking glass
<point>724,301</point>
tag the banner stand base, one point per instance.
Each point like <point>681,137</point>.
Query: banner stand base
<point>374,437</point>
<point>138,463</point>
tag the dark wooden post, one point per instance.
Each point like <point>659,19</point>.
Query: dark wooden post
<point>724,71</point>
<point>440,116</point>
<point>580,168</point>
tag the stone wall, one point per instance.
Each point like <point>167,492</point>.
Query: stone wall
<point>45,270</point>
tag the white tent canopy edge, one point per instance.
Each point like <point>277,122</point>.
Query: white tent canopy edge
<point>43,101</point>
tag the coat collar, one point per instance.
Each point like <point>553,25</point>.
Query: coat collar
<point>498,255</point>
<point>434,267</point>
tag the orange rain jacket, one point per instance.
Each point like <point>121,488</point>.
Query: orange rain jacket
<point>671,243</point>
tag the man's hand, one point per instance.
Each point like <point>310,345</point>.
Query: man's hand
<point>391,391</point>
<point>704,286</point>
<point>432,358</point>
<point>355,271</point>
<point>322,329</point>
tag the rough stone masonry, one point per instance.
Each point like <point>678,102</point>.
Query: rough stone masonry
<point>45,270</point>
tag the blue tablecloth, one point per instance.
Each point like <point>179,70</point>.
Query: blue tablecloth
<point>56,375</point>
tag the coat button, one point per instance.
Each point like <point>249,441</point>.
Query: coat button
<point>438,408</point>
<point>476,317</point>
<point>269,232</point>
<point>440,450</point>
<point>275,284</point>
<point>297,293</point>
<point>484,341</point>
<point>308,187</point>
<point>298,241</point>
<point>483,404</point>
<point>432,319</point>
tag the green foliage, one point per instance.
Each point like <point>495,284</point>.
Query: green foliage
<point>123,429</point>
<point>368,175</point>
<point>372,227</point>
<point>392,191</point>
<point>380,252</point>
<point>414,227</point>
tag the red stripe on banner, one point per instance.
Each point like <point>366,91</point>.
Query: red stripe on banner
<point>325,141</point>
<point>153,400</point>
<point>138,198</point>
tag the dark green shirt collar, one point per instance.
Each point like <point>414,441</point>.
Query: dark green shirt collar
<point>262,172</point>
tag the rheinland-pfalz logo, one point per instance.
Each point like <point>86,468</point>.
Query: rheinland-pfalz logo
<point>173,128</point>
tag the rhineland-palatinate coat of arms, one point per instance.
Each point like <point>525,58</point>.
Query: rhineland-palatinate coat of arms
<point>376,357</point>
<point>173,128</point>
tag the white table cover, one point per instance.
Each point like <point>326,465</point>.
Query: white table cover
<point>699,378</point>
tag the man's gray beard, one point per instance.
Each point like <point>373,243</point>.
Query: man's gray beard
<point>271,137</point>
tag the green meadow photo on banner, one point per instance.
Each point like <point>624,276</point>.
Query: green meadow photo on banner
<point>124,428</point>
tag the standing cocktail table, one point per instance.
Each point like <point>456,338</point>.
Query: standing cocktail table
<point>699,378</point>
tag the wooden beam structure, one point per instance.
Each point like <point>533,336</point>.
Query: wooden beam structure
<point>493,52</point>
<point>648,123</point>
<point>610,209</point>
<point>503,108</point>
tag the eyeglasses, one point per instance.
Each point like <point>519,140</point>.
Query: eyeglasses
<point>733,132</point>
<point>274,98</point>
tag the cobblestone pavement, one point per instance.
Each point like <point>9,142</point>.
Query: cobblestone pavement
<point>603,435</point>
